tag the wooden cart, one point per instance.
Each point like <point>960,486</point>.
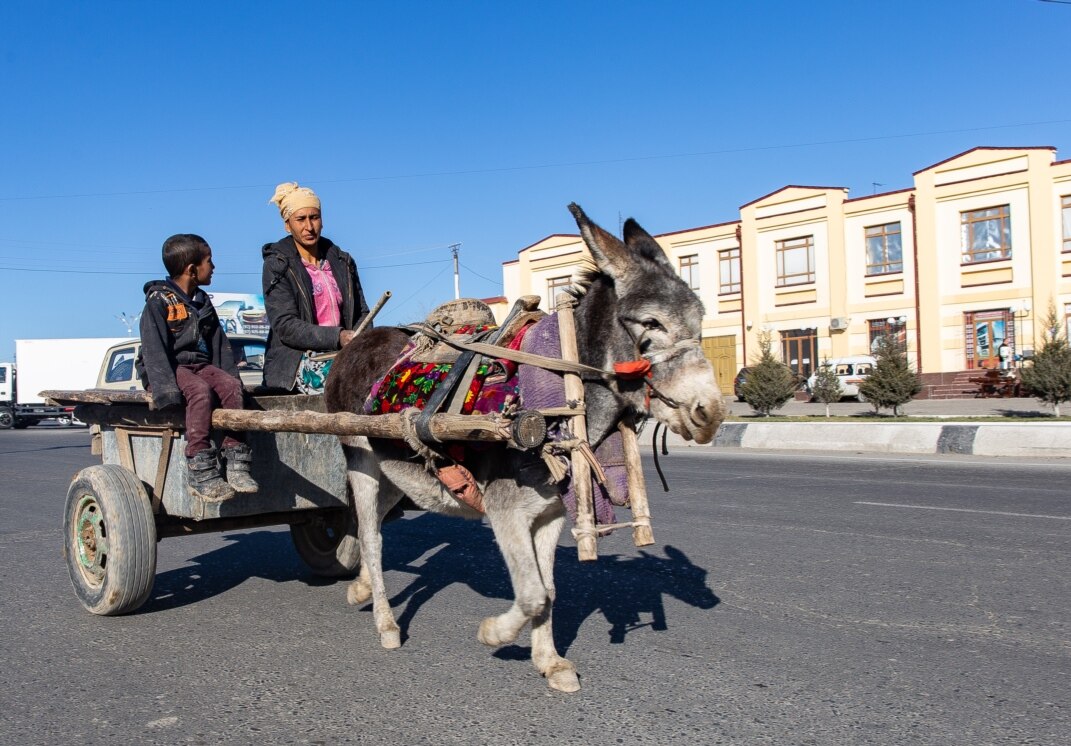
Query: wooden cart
<point>117,511</point>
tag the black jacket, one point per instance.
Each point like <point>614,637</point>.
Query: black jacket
<point>178,330</point>
<point>292,313</point>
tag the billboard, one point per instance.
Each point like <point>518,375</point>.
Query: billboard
<point>241,313</point>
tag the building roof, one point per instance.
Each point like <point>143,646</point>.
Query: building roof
<point>983,147</point>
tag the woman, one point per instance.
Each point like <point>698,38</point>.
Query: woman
<point>312,295</point>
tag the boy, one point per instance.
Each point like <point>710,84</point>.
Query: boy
<point>185,354</point>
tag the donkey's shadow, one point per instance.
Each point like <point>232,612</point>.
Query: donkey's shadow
<point>629,591</point>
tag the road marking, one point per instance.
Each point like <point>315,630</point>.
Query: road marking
<point>968,510</point>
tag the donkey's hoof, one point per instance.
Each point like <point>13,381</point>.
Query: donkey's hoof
<point>489,634</point>
<point>391,639</point>
<point>563,678</point>
<point>358,593</point>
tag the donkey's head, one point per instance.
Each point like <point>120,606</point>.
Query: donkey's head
<point>644,310</point>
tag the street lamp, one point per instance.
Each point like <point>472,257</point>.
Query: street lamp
<point>1021,313</point>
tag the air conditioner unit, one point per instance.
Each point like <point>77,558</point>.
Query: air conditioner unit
<point>838,323</point>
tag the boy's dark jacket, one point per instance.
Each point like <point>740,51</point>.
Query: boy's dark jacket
<point>292,313</point>
<point>174,333</point>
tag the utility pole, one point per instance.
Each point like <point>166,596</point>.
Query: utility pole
<point>457,279</point>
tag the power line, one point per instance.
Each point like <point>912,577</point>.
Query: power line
<point>541,166</point>
<point>470,269</point>
<point>153,273</point>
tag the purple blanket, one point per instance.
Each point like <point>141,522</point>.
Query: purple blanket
<point>540,389</point>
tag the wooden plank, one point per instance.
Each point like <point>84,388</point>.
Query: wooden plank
<point>584,529</point>
<point>637,488</point>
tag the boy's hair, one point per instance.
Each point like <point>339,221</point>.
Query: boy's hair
<point>182,250</point>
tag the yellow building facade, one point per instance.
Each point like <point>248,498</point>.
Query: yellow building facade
<point>968,258</point>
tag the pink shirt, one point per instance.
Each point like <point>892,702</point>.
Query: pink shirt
<point>326,296</point>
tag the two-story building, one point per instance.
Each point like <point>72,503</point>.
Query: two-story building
<point>970,256</point>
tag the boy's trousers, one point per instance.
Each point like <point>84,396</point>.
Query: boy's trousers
<point>198,383</point>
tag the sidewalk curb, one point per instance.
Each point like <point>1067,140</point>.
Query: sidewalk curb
<point>1038,440</point>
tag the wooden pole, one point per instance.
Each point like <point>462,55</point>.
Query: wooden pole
<point>637,488</point>
<point>584,531</point>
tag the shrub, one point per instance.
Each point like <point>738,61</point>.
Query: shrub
<point>892,383</point>
<point>827,387</point>
<point>1049,378</point>
<point>769,382</point>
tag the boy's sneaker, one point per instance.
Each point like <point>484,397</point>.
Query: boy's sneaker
<point>239,460</point>
<point>203,479</point>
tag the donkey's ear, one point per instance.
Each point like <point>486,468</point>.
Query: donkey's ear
<point>610,254</point>
<point>643,244</point>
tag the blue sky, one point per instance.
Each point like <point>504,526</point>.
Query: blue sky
<point>425,124</point>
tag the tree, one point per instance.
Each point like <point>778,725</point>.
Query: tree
<point>892,383</point>
<point>1049,378</point>
<point>769,381</point>
<point>827,387</point>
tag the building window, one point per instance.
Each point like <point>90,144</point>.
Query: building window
<point>690,270</point>
<point>556,287</point>
<point>1066,210</point>
<point>729,271</point>
<point>894,327</point>
<point>986,234</point>
<point>799,350</point>
<point>983,333</point>
<point>884,252</point>
<point>795,261</point>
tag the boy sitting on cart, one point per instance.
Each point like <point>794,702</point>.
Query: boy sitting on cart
<point>185,354</point>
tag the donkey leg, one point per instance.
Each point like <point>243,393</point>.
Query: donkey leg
<point>559,672</point>
<point>513,533</point>
<point>372,497</point>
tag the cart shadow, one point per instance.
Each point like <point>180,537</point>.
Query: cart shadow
<point>629,591</point>
<point>258,554</point>
<point>438,552</point>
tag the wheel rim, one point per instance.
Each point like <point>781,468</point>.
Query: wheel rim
<point>91,540</point>
<point>326,533</point>
<point>6,419</point>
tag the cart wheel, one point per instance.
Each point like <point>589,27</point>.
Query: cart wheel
<point>861,397</point>
<point>328,544</point>
<point>6,418</point>
<point>109,540</point>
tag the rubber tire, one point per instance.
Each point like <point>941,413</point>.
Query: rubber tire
<point>328,544</point>
<point>7,418</point>
<point>112,503</point>
<point>20,424</point>
<point>862,399</point>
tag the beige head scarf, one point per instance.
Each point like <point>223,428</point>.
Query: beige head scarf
<point>290,198</point>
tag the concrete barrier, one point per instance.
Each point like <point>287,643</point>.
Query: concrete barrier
<point>1041,439</point>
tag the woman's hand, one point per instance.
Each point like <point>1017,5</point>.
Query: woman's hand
<point>345,336</point>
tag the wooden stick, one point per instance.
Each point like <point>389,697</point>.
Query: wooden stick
<point>637,488</point>
<point>445,427</point>
<point>584,531</point>
<point>360,327</point>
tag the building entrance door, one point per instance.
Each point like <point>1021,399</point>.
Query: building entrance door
<point>721,352</point>
<point>799,350</point>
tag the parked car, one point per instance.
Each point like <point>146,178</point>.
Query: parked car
<point>851,371</point>
<point>738,384</point>
<point>117,370</point>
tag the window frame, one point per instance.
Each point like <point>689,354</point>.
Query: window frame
<point>556,286</point>
<point>885,268</point>
<point>691,263</point>
<point>729,258</point>
<point>1065,219</point>
<point>781,248</point>
<point>969,220</point>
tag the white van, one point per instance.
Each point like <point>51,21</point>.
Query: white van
<point>851,371</point>
<point>117,370</point>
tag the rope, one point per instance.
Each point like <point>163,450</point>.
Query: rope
<point>654,448</point>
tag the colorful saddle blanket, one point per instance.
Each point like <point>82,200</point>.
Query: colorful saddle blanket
<point>410,382</point>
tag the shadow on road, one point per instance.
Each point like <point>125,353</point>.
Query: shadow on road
<point>437,551</point>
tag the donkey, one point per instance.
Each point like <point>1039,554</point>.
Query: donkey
<point>631,304</point>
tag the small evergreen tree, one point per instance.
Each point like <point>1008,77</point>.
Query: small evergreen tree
<point>1049,378</point>
<point>769,381</point>
<point>827,387</point>
<point>892,383</point>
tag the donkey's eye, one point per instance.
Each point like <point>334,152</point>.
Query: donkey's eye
<point>653,325</point>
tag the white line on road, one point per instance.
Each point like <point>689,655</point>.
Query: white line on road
<point>968,510</point>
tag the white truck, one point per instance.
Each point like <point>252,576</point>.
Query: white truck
<point>43,364</point>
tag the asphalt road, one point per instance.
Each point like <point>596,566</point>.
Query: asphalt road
<point>791,599</point>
